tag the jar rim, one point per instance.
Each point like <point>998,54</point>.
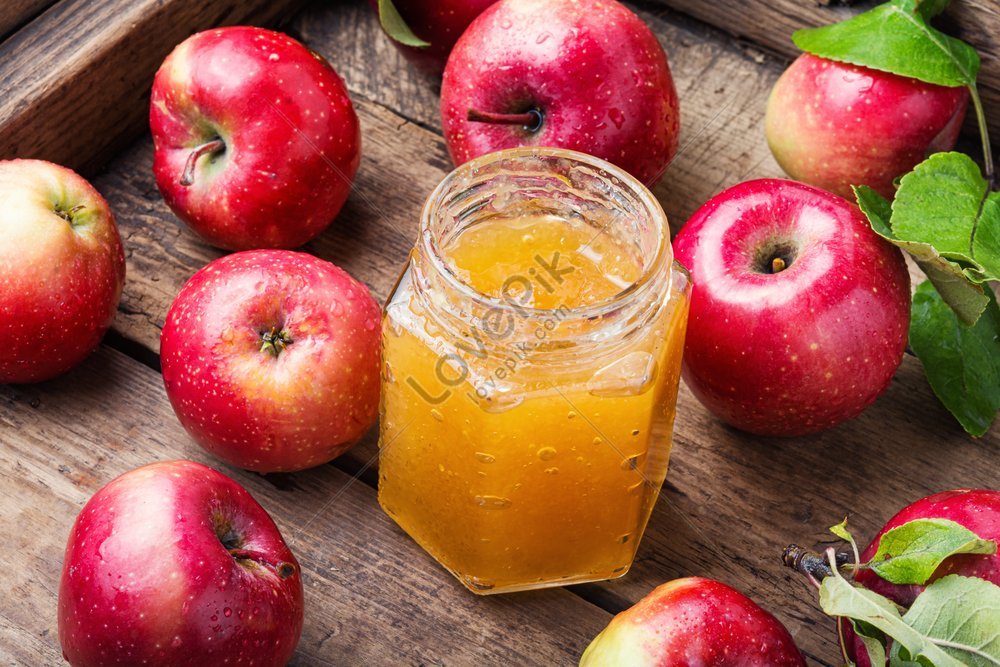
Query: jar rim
<point>658,216</point>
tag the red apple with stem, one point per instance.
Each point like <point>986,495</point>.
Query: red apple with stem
<point>63,268</point>
<point>799,311</point>
<point>271,359</point>
<point>256,142</point>
<point>976,509</point>
<point>835,125</point>
<point>176,564</point>
<point>584,75</point>
<point>439,23</point>
<point>694,621</point>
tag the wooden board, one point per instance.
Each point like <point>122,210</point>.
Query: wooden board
<point>15,13</point>
<point>731,501</point>
<point>770,24</point>
<point>83,69</point>
<point>371,595</point>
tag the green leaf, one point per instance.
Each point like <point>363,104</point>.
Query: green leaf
<point>912,552</point>
<point>966,298</point>
<point>962,363</point>
<point>961,616</point>
<point>945,202</point>
<point>895,37</point>
<point>396,27</point>
<point>931,8</point>
<point>838,597</point>
<point>840,530</point>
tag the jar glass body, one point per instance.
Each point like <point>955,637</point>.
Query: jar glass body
<point>525,447</point>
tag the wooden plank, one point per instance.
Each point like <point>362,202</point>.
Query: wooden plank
<point>723,95</point>
<point>15,13</point>
<point>82,71</point>
<point>732,501</point>
<point>372,595</point>
<point>770,23</point>
<point>370,238</point>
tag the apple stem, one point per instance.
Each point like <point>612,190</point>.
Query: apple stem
<point>213,146</point>
<point>842,639</point>
<point>530,120</point>
<point>777,265</point>
<point>984,134</point>
<point>68,215</point>
<point>810,563</point>
<point>275,341</point>
<point>283,569</point>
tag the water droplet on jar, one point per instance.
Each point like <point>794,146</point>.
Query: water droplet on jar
<point>552,471</point>
<point>635,432</point>
<point>505,24</point>
<point>437,415</point>
<point>493,502</point>
<point>227,612</point>
<point>547,453</point>
<point>625,538</point>
<point>635,489</point>
<point>336,308</point>
<point>597,441</point>
<point>542,38</point>
<point>387,375</point>
<point>176,642</point>
<point>618,569</point>
<point>483,457</point>
<point>499,401</point>
<point>617,117</point>
<point>570,415</point>
<point>632,375</point>
<point>631,462</point>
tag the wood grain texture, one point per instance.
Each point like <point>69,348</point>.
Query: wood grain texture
<point>82,71</point>
<point>372,596</point>
<point>770,23</point>
<point>732,501</point>
<point>15,13</point>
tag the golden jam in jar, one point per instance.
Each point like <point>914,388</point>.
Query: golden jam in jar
<point>531,356</point>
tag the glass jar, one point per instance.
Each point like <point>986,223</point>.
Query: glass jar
<point>531,355</point>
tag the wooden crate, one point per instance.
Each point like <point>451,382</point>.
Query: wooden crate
<point>74,88</point>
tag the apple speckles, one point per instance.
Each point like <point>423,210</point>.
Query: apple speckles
<point>867,126</point>
<point>860,322</point>
<point>309,153</point>
<point>261,403</point>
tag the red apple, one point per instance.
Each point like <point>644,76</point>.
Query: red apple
<point>694,622</point>
<point>176,564</point>
<point>586,75</point>
<point>835,125</point>
<point>976,509</point>
<point>256,142</point>
<point>439,23</point>
<point>62,265</point>
<point>799,311</point>
<point>271,359</point>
